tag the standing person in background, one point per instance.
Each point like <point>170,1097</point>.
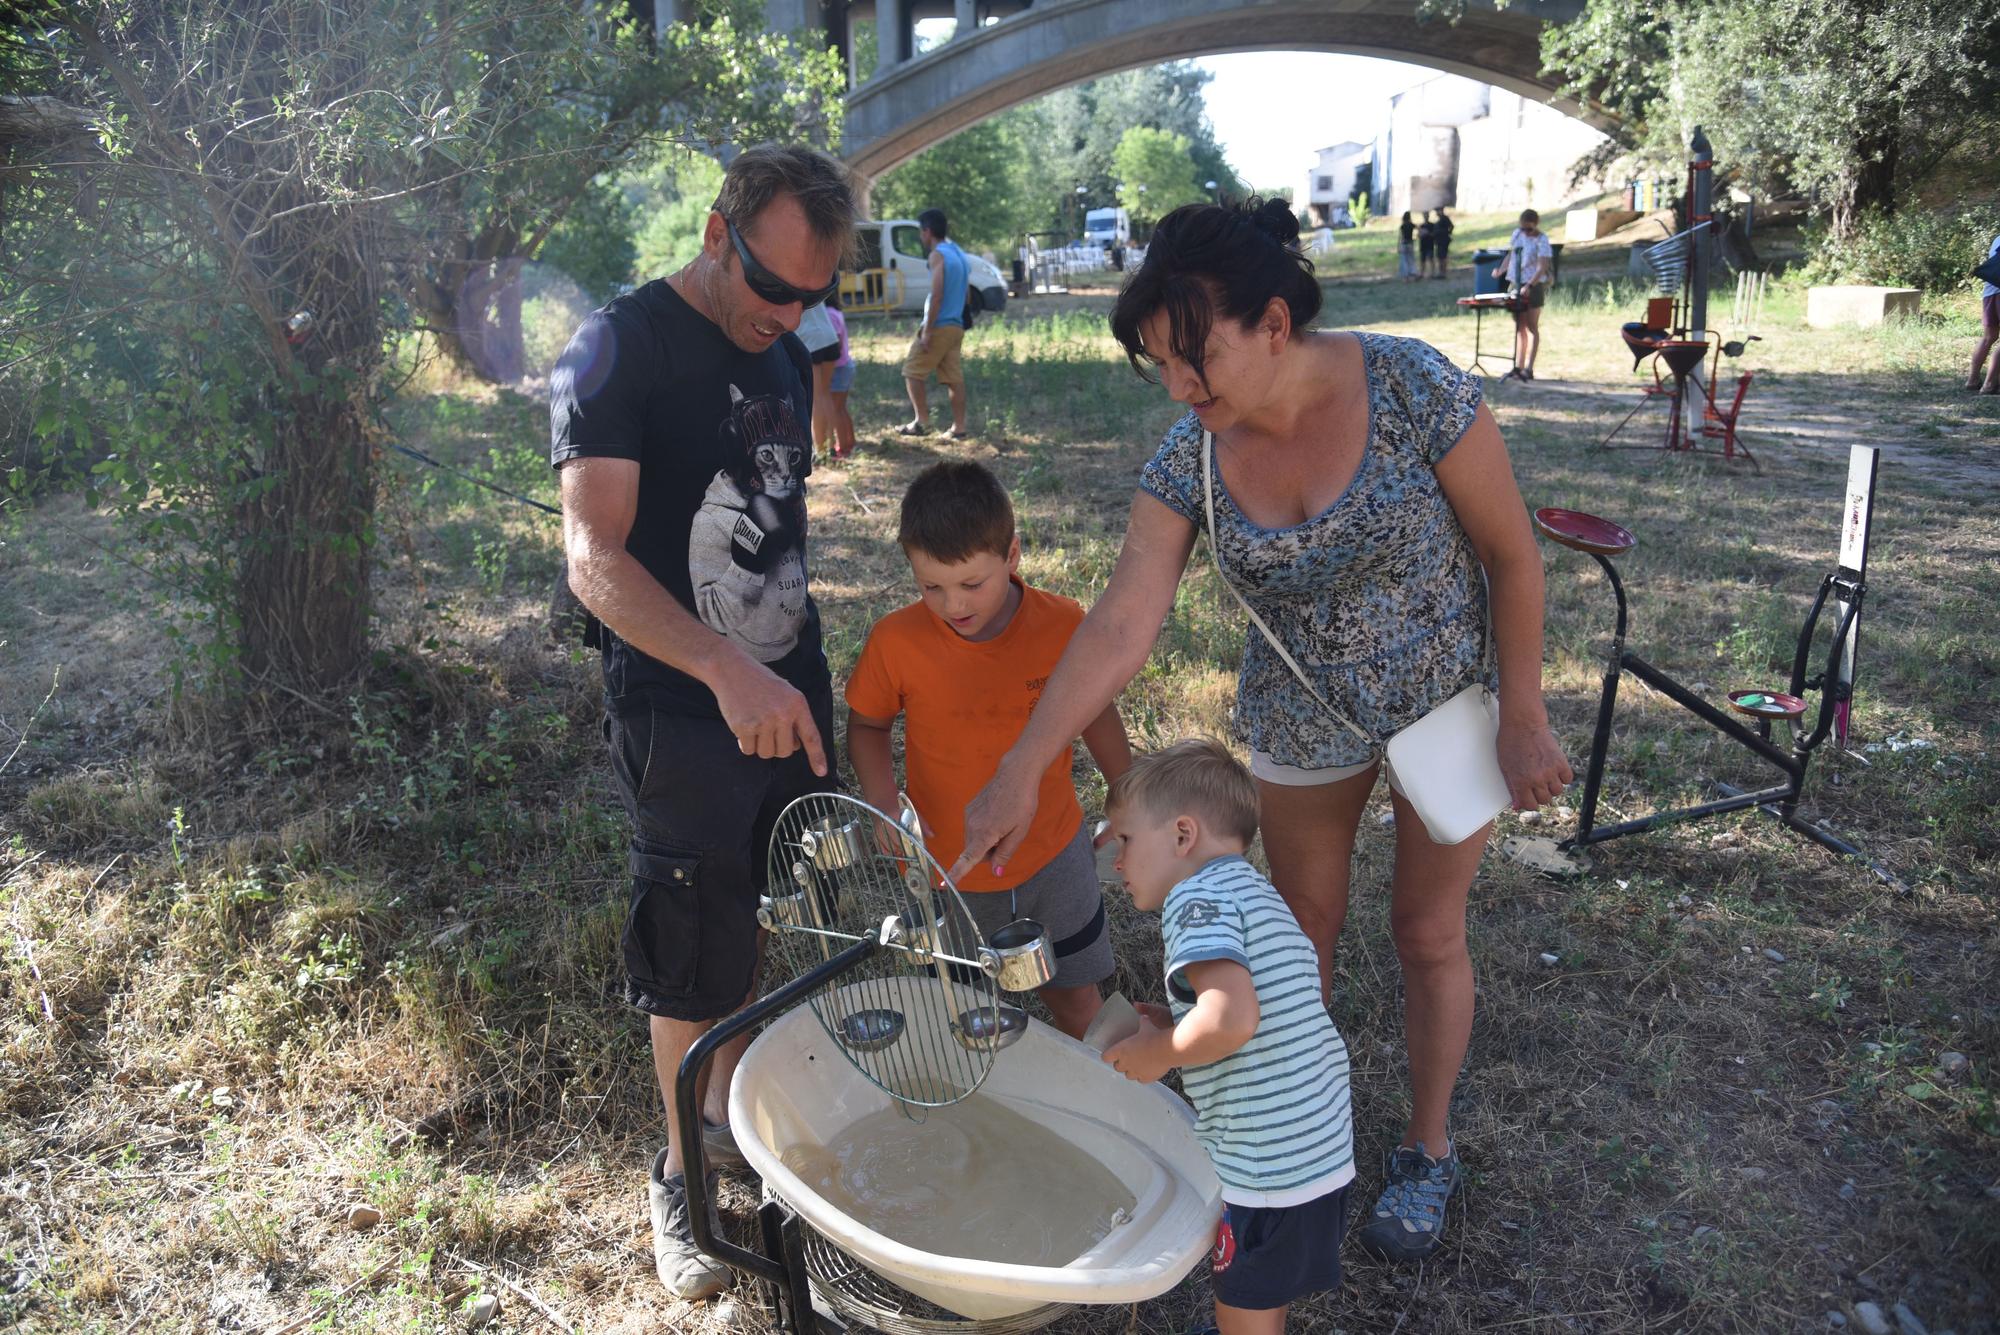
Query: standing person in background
<point>1406,249</point>
<point>1426,244</point>
<point>1989,315</point>
<point>816,330</point>
<point>841,384</point>
<point>1441,241</point>
<point>941,332</point>
<point>678,420</point>
<point>1528,265</point>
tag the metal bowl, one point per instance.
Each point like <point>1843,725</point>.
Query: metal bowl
<point>870,1030</point>
<point>1022,947</point>
<point>989,1029</point>
<point>782,910</point>
<point>833,845</point>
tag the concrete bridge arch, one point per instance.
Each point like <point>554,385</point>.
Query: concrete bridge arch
<point>1005,52</point>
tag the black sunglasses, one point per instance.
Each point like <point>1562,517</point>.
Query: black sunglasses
<point>771,287</point>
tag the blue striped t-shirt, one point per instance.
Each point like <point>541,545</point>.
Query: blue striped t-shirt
<point>1273,1115</point>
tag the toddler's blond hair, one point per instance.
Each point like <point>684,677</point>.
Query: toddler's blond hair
<point>1198,777</point>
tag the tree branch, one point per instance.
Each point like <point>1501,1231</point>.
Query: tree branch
<point>166,142</point>
<point>42,120</point>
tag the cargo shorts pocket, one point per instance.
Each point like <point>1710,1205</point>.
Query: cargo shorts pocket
<point>662,942</point>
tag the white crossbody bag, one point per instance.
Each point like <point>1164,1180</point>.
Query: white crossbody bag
<point>1447,763</point>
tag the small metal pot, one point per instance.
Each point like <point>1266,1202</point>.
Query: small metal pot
<point>1022,949</point>
<point>833,845</point>
<point>783,911</point>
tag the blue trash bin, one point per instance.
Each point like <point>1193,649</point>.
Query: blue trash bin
<point>1486,271</point>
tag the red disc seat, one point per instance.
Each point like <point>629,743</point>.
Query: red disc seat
<point>1767,704</point>
<point>1586,533</point>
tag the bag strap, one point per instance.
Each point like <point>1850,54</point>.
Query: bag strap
<point>1215,551</point>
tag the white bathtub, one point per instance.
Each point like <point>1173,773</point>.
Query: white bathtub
<point>795,1086</point>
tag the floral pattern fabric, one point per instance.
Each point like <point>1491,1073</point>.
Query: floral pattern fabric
<point>1379,597</point>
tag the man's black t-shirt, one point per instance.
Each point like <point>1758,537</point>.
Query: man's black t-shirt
<point>719,436</point>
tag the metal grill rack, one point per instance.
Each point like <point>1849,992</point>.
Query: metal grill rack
<point>858,1294</point>
<point>881,946</point>
<point>920,1018</point>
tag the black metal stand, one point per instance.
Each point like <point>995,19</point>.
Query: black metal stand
<point>1479,310</point>
<point>783,1263</point>
<point>1779,801</point>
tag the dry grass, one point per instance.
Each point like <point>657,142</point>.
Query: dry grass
<point>371,956</point>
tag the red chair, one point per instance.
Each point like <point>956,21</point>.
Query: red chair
<point>1719,425</point>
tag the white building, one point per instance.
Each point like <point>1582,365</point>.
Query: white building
<point>1333,179</point>
<point>1521,155</point>
<point>1454,142</point>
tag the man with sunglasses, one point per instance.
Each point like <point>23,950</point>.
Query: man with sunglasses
<point>678,418</point>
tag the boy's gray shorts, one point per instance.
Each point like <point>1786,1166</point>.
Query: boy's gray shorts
<point>1065,898</point>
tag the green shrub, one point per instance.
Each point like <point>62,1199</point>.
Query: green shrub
<point>1931,249</point>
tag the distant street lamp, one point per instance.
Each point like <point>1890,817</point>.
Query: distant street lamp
<point>1212,196</point>
<point>1080,192</point>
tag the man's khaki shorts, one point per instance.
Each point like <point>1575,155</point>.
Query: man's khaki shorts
<point>940,356</point>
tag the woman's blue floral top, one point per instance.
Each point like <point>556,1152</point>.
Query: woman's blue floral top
<point>1380,597</point>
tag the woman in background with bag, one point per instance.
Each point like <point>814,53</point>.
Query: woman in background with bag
<point>1361,504</point>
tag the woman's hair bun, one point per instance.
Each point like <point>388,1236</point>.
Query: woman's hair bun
<point>1275,219</point>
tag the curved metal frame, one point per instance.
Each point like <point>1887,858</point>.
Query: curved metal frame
<point>1779,801</point>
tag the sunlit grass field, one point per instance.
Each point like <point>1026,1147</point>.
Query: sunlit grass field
<point>369,955</point>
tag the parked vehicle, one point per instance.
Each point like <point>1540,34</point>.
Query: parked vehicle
<point>892,273</point>
<point>1107,228</point>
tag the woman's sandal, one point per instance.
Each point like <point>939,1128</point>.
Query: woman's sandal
<point>914,429</point>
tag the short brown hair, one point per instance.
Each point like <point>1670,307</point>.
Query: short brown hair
<point>1197,776</point>
<point>820,184</point>
<point>954,511</point>
<point>1529,215</point>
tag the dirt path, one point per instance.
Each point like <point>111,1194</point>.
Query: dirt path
<point>1781,423</point>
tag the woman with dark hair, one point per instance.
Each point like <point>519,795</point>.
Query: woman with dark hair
<point>1406,249</point>
<point>1441,241</point>
<point>1360,500</point>
<point>1426,244</point>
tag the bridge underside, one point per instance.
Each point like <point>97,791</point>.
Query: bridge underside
<point>910,106</point>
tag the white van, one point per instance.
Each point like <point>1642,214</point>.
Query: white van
<point>896,275</point>
<point>1107,228</point>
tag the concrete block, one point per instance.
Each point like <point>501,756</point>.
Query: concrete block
<point>1859,305</point>
<point>1589,224</point>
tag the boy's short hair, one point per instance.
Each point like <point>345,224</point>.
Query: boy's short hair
<point>954,511</point>
<point>1529,215</point>
<point>934,222</point>
<point>1197,776</point>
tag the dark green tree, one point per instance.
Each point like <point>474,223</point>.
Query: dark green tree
<point>978,177</point>
<point>1076,131</point>
<point>1156,171</point>
<point>1852,102</point>
<point>217,210</point>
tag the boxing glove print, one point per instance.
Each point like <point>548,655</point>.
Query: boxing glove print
<point>762,535</point>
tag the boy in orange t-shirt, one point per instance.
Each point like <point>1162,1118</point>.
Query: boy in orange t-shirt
<point>964,666</point>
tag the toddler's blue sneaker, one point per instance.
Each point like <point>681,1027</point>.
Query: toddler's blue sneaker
<point>1408,1223</point>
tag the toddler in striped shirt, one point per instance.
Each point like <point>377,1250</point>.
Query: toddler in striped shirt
<point>1260,1059</point>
